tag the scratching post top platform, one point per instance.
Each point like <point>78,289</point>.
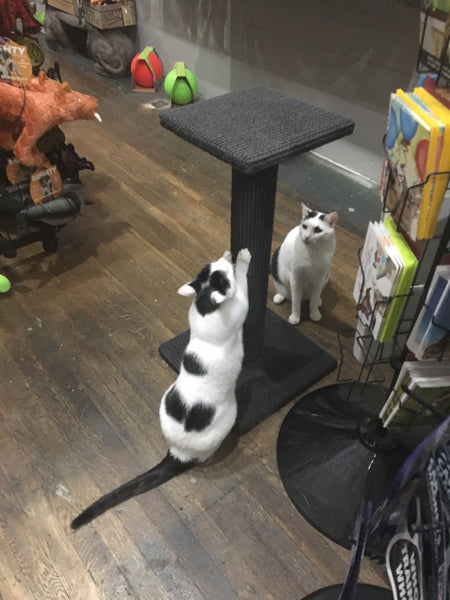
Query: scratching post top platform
<point>256,128</point>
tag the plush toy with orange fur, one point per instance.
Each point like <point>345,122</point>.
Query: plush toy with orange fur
<point>27,112</point>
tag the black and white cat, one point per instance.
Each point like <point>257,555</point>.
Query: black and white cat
<point>301,266</point>
<point>199,409</point>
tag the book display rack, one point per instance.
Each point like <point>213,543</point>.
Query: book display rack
<point>336,450</point>
<point>434,44</point>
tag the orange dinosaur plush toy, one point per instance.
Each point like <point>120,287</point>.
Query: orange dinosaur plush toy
<point>27,112</point>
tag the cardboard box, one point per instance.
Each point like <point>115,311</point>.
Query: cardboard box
<point>67,6</point>
<point>109,16</point>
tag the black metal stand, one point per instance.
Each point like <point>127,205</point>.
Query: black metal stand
<point>364,592</point>
<point>332,452</point>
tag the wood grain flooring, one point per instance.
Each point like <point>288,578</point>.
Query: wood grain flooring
<point>81,380</point>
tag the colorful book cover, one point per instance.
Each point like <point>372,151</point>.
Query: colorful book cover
<point>435,341</point>
<point>430,164</point>
<point>434,51</point>
<point>409,144</point>
<point>428,380</point>
<point>366,258</point>
<point>428,82</point>
<point>433,392</point>
<point>442,113</point>
<point>405,280</point>
<point>437,286</point>
<point>376,279</point>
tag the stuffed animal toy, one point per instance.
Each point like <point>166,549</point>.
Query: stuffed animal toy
<point>11,10</point>
<point>27,112</point>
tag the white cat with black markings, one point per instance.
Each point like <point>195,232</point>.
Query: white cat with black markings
<point>301,266</point>
<point>199,409</point>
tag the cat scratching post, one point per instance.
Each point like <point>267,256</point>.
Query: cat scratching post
<point>254,130</point>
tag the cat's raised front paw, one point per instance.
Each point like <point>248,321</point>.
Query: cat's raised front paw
<point>228,256</point>
<point>244,255</point>
<point>279,298</point>
<point>294,319</point>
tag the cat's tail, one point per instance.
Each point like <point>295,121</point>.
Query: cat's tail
<point>273,270</point>
<point>167,469</point>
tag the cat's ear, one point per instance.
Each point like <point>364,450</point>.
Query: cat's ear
<point>186,290</point>
<point>332,218</point>
<point>305,211</point>
<point>217,297</point>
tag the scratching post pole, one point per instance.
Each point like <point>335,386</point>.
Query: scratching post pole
<point>252,212</point>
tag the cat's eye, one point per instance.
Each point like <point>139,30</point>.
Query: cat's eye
<point>317,230</point>
<point>304,226</point>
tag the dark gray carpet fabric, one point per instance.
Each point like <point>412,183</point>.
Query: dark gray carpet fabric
<point>255,128</point>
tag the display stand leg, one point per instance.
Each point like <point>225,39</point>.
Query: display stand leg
<point>364,592</point>
<point>332,452</point>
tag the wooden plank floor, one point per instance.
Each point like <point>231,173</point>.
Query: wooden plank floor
<point>81,380</point>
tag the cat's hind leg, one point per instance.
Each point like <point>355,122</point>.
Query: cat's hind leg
<point>281,292</point>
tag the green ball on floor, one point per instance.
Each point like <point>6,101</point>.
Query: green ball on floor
<point>181,88</point>
<point>5,285</point>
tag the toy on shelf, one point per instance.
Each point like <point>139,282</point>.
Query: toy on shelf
<point>37,222</point>
<point>181,84</point>
<point>11,11</point>
<point>69,163</point>
<point>146,70</point>
<point>29,111</point>
<point>39,175</point>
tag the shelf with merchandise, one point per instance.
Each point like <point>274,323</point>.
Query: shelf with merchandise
<point>423,407</point>
<point>334,438</point>
<point>335,434</point>
<point>431,343</point>
<point>433,53</point>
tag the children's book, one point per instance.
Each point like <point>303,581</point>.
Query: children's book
<point>430,213</point>
<point>411,145</point>
<point>420,341</point>
<point>434,50</point>
<point>428,382</point>
<point>404,282</point>
<point>377,277</point>
<point>366,259</point>
<point>435,341</point>
<point>428,82</point>
<point>425,166</point>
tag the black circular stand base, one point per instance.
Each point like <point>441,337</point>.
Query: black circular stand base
<point>332,452</point>
<point>364,592</point>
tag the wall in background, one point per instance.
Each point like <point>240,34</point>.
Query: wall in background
<point>343,55</point>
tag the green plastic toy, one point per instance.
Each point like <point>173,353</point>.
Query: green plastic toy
<point>5,284</point>
<point>181,84</point>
